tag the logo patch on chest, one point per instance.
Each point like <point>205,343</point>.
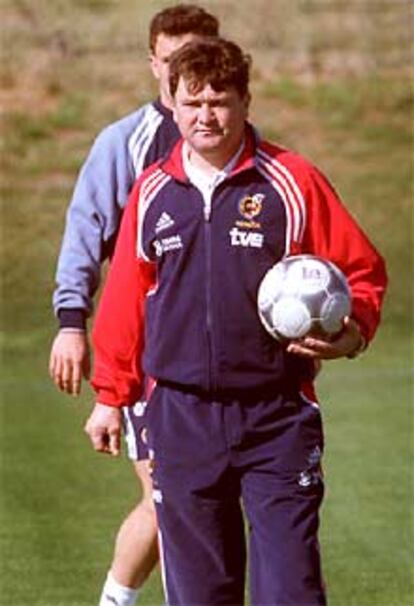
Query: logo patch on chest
<point>249,208</point>
<point>166,244</point>
<point>248,239</point>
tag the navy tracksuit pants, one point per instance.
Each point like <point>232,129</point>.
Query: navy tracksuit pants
<point>214,456</point>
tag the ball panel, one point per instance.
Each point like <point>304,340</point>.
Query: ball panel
<point>333,311</point>
<point>291,318</point>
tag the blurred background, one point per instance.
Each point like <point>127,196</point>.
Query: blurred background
<point>332,79</point>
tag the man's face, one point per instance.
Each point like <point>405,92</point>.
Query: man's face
<point>159,60</point>
<point>212,122</point>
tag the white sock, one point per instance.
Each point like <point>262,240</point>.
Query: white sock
<point>114,594</point>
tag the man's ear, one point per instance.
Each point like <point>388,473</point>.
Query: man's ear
<point>154,66</point>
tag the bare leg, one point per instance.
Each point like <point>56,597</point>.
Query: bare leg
<point>136,552</point>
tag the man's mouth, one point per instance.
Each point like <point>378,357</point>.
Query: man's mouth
<point>208,132</point>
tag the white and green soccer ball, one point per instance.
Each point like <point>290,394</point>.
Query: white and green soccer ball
<point>303,295</point>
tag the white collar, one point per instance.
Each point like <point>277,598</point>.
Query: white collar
<point>199,178</point>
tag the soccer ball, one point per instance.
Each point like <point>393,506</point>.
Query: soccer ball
<point>303,295</point>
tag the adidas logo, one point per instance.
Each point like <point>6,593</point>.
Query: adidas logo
<point>163,222</point>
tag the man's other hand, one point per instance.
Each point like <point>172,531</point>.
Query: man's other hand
<point>104,429</point>
<point>69,360</point>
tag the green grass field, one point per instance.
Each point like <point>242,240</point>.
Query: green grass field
<point>60,503</point>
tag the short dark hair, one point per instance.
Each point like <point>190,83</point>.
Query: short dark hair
<point>215,61</point>
<point>182,19</point>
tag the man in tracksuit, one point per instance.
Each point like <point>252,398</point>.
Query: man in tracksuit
<point>119,155</point>
<point>232,418</point>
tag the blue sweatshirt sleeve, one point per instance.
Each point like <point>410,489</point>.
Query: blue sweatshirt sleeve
<point>118,156</point>
<point>92,222</point>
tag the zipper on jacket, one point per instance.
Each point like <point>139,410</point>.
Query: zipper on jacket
<point>208,286</point>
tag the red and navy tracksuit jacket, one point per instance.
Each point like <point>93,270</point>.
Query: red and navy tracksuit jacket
<point>179,303</point>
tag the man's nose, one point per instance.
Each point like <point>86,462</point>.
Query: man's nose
<point>206,113</point>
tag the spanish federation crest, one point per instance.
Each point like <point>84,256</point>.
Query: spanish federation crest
<point>251,206</point>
